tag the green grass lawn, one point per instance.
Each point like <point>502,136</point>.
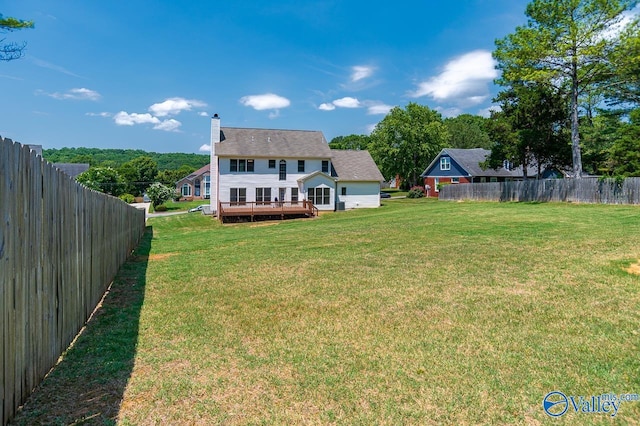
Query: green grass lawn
<point>419,312</point>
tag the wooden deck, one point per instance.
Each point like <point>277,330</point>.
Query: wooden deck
<point>274,210</point>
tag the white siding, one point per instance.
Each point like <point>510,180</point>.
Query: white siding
<point>359,194</point>
<point>264,177</point>
<point>321,181</point>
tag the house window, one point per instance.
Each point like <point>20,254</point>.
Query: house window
<point>207,186</point>
<point>455,180</point>
<point>319,196</point>
<point>325,166</point>
<point>294,195</point>
<point>493,179</point>
<point>197,187</point>
<point>238,196</point>
<point>186,190</point>
<point>445,163</point>
<point>344,190</point>
<point>283,170</point>
<point>241,165</point>
<point>300,166</point>
<point>272,164</point>
<point>263,195</point>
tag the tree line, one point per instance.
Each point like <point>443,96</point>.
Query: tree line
<point>127,173</point>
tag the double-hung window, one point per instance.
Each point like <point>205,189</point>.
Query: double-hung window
<point>283,170</point>
<point>300,166</point>
<point>445,163</point>
<point>319,196</point>
<point>241,165</point>
<point>325,166</point>
<point>263,195</point>
<point>238,196</point>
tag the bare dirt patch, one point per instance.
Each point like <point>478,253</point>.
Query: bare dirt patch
<point>634,268</point>
<point>157,256</point>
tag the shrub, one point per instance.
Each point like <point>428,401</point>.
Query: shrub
<point>161,208</point>
<point>128,198</point>
<point>159,193</point>
<point>416,192</point>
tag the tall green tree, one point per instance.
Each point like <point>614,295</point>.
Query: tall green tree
<point>530,129</point>
<point>138,174</point>
<point>102,179</point>
<point>356,142</point>
<point>468,131</point>
<point>625,152</point>
<point>407,140</point>
<point>12,50</point>
<point>569,43</point>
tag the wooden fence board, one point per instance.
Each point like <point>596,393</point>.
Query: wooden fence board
<point>60,247</point>
<point>586,190</point>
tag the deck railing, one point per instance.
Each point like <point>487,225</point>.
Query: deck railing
<point>254,209</point>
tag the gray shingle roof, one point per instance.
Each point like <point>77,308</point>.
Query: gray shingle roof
<point>271,143</point>
<point>470,159</point>
<point>72,169</point>
<point>353,165</point>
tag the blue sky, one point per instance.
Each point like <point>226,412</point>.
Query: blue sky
<point>148,74</point>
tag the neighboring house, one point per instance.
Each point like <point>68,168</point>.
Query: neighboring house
<point>452,166</point>
<point>72,169</point>
<point>263,166</point>
<point>196,186</point>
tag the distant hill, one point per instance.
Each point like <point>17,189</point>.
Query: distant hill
<point>117,157</point>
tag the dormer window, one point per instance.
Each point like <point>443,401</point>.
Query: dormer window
<point>445,163</point>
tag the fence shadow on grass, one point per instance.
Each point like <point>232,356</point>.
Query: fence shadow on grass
<point>88,384</point>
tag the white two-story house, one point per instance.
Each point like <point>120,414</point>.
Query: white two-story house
<point>266,166</point>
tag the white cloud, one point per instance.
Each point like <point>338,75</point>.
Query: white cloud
<point>169,125</point>
<point>266,101</point>
<point>123,118</point>
<point>347,102</point>
<point>327,107</point>
<point>360,72</point>
<point>375,108</point>
<point>205,148</point>
<point>464,81</point>
<point>98,114</point>
<point>79,94</point>
<point>174,106</point>
<point>203,114</point>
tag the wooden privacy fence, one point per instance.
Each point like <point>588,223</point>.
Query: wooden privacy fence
<point>60,247</point>
<point>586,190</point>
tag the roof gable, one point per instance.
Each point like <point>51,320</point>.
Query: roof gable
<point>468,160</point>
<point>352,165</point>
<point>271,143</point>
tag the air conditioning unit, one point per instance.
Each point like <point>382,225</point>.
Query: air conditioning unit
<point>340,205</point>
